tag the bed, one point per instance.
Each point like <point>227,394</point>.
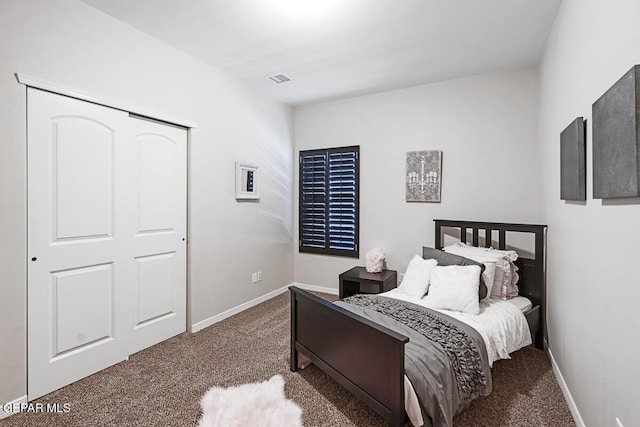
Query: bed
<point>367,357</point>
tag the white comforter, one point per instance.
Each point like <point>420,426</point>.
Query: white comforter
<point>501,324</point>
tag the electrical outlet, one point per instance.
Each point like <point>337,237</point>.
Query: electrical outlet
<point>400,277</point>
<point>618,422</point>
<point>259,275</point>
<point>254,278</point>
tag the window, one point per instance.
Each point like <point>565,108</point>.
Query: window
<point>329,186</point>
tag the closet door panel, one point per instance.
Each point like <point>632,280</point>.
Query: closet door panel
<point>159,241</point>
<point>78,292</point>
<point>82,169</point>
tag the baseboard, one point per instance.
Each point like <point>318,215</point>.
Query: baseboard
<point>314,288</point>
<point>13,407</point>
<point>235,310</point>
<point>242,307</point>
<point>565,390</point>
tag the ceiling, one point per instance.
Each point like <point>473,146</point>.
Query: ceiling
<point>333,49</point>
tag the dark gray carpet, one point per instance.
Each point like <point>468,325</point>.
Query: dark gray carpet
<point>162,385</point>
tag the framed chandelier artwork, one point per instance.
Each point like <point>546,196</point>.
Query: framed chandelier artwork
<point>424,176</point>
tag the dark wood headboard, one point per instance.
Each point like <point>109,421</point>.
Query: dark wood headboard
<point>532,283</point>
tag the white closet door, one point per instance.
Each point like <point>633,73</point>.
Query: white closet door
<point>79,279</point>
<point>106,237</point>
<point>158,246</point>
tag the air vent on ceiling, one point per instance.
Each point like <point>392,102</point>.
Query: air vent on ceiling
<point>279,78</point>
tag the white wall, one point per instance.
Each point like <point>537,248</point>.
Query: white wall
<point>486,127</point>
<point>70,43</point>
<point>592,279</point>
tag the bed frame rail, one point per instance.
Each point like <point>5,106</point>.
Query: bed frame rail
<point>364,357</point>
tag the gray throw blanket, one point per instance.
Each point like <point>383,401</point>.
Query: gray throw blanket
<point>445,359</point>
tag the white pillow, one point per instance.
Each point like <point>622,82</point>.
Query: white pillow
<point>488,275</point>
<point>510,254</point>
<point>505,277</point>
<point>454,287</point>
<point>490,269</point>
<point>416,279</point>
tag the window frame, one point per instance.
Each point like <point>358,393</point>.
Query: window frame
<point>327,250</point>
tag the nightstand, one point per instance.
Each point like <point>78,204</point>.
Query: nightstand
<point>358,281</point>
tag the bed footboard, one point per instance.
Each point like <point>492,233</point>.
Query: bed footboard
<point>365,358</point>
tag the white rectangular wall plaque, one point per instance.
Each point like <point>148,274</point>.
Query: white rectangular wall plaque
<point>247,181</point>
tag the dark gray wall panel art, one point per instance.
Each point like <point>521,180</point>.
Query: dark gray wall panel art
<point>572,161</point>
<point>616,139</point>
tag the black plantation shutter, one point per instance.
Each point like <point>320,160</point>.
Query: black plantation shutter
<point>342,201</point>
<point>313,200</point>
<point>329,184</point>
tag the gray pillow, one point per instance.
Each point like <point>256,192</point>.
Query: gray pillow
<point>445,258</point>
